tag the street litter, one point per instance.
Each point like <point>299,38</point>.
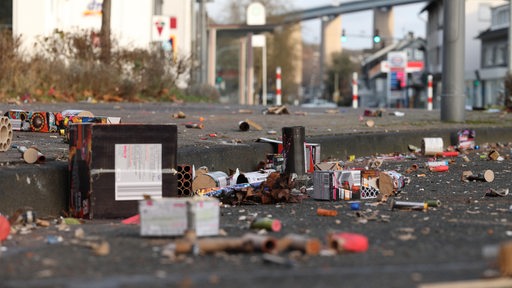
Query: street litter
<point>172,216</point>
<point>497,192</point>
<point>308,245</point>
<point>326,212</point>
<point>409,205</point>
<point>266,223</point>
<point>246,124</point>
<point>5,133</point>
<point>179,114</point>
<point>348,242</point>
<point>431,146</point>
<point>373,113</point>
<point>194,125</point>
<point>439,168</point>
<point>31,155</point>
<point>486,176</point>
<point>5,228</point>
<point>276,110</point>
<point>276,188</point>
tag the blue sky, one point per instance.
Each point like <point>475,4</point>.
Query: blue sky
<point>407,18</point>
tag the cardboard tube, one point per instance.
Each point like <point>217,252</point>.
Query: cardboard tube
<point>213,245</point>
<point>326,212</point>
<point>261,243</point>
<point>505,258</point>
<point>432,146</point>
<point>31,155</point>
<point>5,133</point>
<point>487,176</point>
<point>310,246</point>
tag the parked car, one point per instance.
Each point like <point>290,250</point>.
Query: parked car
<point>319,103</point>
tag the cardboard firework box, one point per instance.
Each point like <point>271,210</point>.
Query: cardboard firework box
<point>171,216</point>
<point>34,121</point>
<point>112,167</point>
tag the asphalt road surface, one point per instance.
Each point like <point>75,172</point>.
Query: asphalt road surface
<point>459,240</point>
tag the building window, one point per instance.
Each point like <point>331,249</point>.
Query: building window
<point>488,57</point>
<point>500,55</point>
<point>500,18</point>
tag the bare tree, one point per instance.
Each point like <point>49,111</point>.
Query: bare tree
<point>105,41</point>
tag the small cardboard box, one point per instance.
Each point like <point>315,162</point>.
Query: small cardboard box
<point>311,152</point>
<point>113,166</point>
<point>169,216</point>
<point>323,186</point>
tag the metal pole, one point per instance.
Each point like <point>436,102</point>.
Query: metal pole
<point>278,86</point>
<point>430,92</point>
<point>452,99</point>
<point>204,51</point>
<point>510,40</point>
<point>241,72</point>
<point>250,70</point>
<point>264,74</point>
<point>355,102</point>
<point>212,59</point>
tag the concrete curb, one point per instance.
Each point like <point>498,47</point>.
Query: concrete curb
<point>45,187</point>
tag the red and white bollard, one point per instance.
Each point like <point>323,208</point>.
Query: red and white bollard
<point>355,102</point>
<point>278,86</point>
<point>429,92</point>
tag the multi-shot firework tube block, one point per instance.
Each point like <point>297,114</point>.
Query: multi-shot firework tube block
<point>5,133</point>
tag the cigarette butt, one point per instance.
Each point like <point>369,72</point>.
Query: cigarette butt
<point>326,212</point>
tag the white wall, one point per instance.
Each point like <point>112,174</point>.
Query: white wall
<point>182,10</point>
<point>131,20</point>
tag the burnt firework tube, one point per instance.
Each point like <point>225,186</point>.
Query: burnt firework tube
<point>293,150</point>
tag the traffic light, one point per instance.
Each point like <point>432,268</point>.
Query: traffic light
<point>343,36</point>
<point>376,36</point>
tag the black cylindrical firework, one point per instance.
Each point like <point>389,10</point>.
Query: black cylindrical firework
<point>293,150</point>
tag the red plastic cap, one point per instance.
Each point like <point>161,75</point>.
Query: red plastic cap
<point>5,228</point>
<point>276,225</point>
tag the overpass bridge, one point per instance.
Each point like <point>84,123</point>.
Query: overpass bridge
<point>331,30</point>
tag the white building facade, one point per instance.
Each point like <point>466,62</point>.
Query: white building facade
<point>477,19</point>
<point>134,23</point>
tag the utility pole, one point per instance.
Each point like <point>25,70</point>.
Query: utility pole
<point>452,98</point>
<point>105,31</point>
<point>509,40</point>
